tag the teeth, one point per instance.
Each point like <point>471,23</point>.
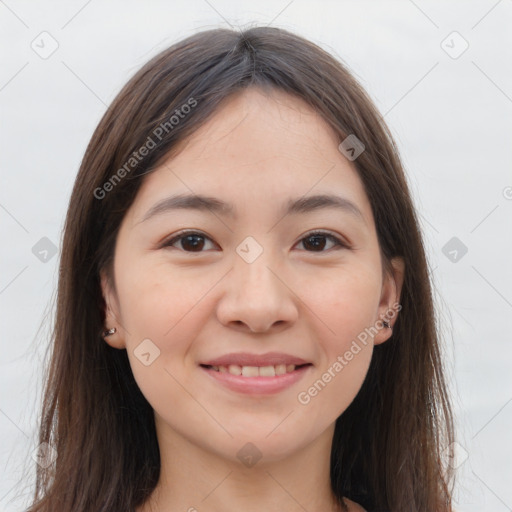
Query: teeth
<point>234,369</point>
<point>250,371</point>
<point>280,369</point>
<point>267,371</point>
<point>256,371</point>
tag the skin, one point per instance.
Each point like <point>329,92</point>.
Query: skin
<point>256,152</point>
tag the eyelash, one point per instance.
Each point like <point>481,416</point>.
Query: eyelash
<point>339,244</point>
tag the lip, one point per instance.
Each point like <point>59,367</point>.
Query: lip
<point>258,385</point>
<point>247,359</point>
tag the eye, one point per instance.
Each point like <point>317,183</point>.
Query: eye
<point>194,241</point>
<point>316,240</point>
<point>191,241</point>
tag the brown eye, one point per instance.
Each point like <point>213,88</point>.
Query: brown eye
<point>193,241</point>
<point>317,241</point>
<point>190,241</point>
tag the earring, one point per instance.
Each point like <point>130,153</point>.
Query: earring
<point>386,324</point>
<point>109,332</point>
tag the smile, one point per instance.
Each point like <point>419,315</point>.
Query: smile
<point>256,371</point>
<point>257,380</point>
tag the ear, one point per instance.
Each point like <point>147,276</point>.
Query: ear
<point>389,304</point>
<point>116,340</point>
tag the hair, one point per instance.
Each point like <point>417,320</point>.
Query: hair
<point>387,451</point>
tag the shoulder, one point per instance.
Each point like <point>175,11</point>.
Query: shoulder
<point>353,506</point>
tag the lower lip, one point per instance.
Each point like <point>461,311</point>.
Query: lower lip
<point>258,385</point>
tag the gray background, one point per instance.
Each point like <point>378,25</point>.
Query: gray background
<point>449,109</point>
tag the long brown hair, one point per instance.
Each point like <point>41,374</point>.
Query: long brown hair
<point>388,445</point>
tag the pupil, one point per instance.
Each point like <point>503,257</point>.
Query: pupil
<point>316,244</point>
<point>194,244</point>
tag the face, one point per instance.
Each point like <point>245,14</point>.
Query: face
<point>254,277</point>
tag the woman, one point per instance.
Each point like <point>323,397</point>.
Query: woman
<point>244,315</point>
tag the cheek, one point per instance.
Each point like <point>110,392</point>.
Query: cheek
<point>168,309</point>
<point>346,301</point>
<point>346,307</point>
<point>157,301</point>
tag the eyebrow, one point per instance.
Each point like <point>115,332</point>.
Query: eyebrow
<point>301,205</point>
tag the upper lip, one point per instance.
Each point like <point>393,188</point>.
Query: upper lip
<point>246,359</point>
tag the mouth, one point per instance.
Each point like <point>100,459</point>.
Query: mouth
<point>256,371</point>
<point>256,380</point>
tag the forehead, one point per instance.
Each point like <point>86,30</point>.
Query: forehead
<point>258,146</point>
<point>263,124</point>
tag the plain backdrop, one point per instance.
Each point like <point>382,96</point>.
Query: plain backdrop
<point>440,72</point>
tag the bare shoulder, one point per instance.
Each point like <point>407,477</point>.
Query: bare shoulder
<point>353,506</point>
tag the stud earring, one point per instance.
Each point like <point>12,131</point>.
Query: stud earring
<point>109,332</point>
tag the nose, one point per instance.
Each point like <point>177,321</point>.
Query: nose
<point>257,297</point>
